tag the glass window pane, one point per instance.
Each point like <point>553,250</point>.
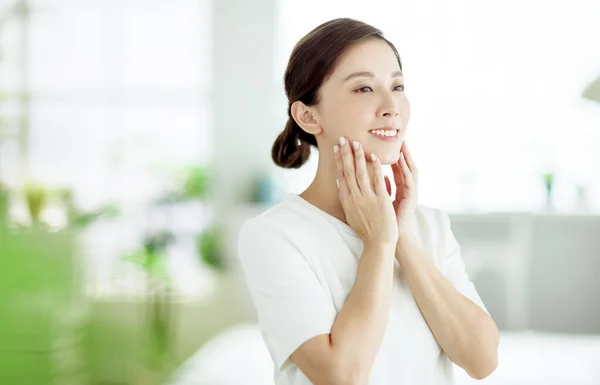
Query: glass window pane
<point>161,45</point>
<point>72,50</point>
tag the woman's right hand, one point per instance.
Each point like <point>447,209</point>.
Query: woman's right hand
<point>368,207</point>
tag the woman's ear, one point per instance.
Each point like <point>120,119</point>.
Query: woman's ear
<point>305,117</point>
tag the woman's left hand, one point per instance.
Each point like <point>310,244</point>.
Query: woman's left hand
<point>406,180</point>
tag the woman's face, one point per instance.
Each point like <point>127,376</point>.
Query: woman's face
<point>365,93</point>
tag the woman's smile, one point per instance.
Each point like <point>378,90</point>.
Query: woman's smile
<point>386,134</point>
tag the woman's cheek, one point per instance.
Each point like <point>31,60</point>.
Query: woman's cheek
<point>406,113</point>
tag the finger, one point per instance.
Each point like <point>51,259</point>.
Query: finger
<point>409,159</point>
<point>349,171</point>
<point>344,191</point>
<point>378,176</point>
<point>407,175</point>
<point>398,175</point>
<point>397,172</point>
<point>388,185</point>
<point>362,176</point>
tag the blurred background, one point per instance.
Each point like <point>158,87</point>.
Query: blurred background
<point>135,139</point>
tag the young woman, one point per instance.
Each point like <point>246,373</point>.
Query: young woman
<point>351,284</point>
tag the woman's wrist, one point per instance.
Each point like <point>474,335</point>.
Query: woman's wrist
<point>381,247</point>
<point>404,233</point>
<point>405,240</point>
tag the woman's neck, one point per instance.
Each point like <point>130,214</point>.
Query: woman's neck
<point>323,191</point>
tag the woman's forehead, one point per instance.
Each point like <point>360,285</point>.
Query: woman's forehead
<point>373,56</point>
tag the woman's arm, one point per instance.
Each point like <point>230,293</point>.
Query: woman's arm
<point>466,333</point>
<point>346,355</point>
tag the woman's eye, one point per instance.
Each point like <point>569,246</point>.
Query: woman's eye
<point>369,89</point>
<point>364,89</point>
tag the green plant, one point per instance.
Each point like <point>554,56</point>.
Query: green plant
<point>78,218</point>
<point>151,258</point>
<point>3,205</point>
<point>193,183</point>
<point>548,180</point>
<point>36,196</point>
<point>210,248</point>
<point>44,312</point>
<point>196,182</point>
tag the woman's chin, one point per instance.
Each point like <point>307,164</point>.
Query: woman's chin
<point>390,155</point>
<point>390,161</point>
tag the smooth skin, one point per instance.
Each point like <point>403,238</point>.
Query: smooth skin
<point>365,92</point>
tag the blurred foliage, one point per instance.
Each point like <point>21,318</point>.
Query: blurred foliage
<point>196,182</point>
<point>210,248</point>
<point>83,219</point>
<point>151,263</point>
<point>42,298</point>
<point>35,258</point>
<point>548,179</point>
<point>158,243</point>
<point>79,218</point>
<point>151,256</point>
<point>36,196</point>
<point>193,183</point>
<point>160,329</point>
<point>43,309</point>
<point>4,200</point>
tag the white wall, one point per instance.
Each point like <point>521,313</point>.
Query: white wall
<point>244,121</point>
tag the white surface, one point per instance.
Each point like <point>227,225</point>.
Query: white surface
<point>235,357</point>
<point>239,357</point>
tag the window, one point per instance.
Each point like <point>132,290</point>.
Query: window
<point>118,91</point>
<point>123,86</point>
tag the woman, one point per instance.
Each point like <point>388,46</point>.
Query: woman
<point>352,286</point>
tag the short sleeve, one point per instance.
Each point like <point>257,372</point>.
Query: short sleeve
<point>291,303</point>
<point>454,267</point>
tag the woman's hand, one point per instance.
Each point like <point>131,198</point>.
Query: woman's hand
<point>367,206</point>
<point>406,180</point>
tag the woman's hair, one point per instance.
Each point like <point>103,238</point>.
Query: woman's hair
<point>312,61</point>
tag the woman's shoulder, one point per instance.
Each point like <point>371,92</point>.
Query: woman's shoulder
<point>282,218</point>
<point>430,214</point>
<point>280,230</point>
<point>432,222</point>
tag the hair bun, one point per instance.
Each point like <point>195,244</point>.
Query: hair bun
<point>288,150</point>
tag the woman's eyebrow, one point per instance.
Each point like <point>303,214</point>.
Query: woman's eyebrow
<point>368,74</point>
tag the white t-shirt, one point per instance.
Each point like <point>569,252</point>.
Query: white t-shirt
<point>300,264</point>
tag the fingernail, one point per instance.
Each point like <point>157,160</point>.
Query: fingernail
<point>355,144</point>
<point>373,157</point>
<point>342,141</point>
<point>336,148</point>
<point>337,183</point>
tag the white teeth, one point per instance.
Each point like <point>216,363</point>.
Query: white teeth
<point>385,132</point>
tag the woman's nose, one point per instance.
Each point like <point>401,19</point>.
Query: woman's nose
<point>390,110</point>
<point>389,107</point>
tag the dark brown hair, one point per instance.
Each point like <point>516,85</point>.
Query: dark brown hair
<point>312,61</point>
